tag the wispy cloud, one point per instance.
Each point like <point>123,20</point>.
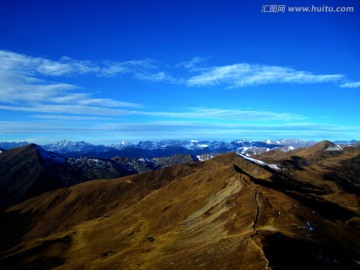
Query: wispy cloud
<point>104,131</point>
<point>72,109</point>
<point>66,66</point>
<point>232,115</point>
<point>244,74</point>
<point>160,76</point>
<point>56,117</point>
<point>350,85</point>
<point>27,84</point>
<point>193,64</point>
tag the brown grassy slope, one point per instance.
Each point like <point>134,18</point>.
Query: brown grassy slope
<point>225,213</point>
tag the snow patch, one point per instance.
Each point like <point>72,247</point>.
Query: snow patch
<point>334,148</point>
<point>274,167</point>
<point>203,145</point>
<point>261,163</point>
<point>144,159</point>
<point>243,151</point>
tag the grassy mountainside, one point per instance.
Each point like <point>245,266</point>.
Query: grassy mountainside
<point>224,213</point>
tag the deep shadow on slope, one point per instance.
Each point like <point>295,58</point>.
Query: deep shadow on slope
<point>347,174</point>
<point>286,253</point>
<point>46,255</point>
<point>24,173</point>
<point>13,226</point>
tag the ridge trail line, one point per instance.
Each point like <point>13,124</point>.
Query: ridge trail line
<point>257,207</point>
<point>257,211</point>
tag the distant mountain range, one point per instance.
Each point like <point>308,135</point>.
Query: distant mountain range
<point>165,148</point>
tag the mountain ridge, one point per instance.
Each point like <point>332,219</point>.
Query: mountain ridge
<point>223,213</point>
<point>29,170</point>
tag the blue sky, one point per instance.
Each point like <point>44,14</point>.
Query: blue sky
<point>106,71</point>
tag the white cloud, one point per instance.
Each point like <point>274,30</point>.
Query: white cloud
<point>19,88</point>
<point>132,67</point>
<point>193,64</point>
<point>243,74</point>
<point>155,77</point>
<point>350,85</point>
<point>236,75</point>
<point>106,102</point>
<point>25,85</point>
<point>27,65</point>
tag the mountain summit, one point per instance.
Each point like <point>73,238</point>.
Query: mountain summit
<point>28,171</point>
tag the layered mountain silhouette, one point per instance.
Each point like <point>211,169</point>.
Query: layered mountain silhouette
<point>165,148</point>
<point>293,210</point>
<point>29,170</point>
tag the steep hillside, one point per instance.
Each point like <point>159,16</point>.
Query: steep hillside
<point>230,212</point>
<point>28,171</point>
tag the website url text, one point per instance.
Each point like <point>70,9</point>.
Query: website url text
<point>307,9</point>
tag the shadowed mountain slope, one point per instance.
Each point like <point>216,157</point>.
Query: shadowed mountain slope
<point>323,161</point>
<point>29,170</point>
<point>229,212</point>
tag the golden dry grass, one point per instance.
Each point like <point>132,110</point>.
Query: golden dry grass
<point>204,215</point>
